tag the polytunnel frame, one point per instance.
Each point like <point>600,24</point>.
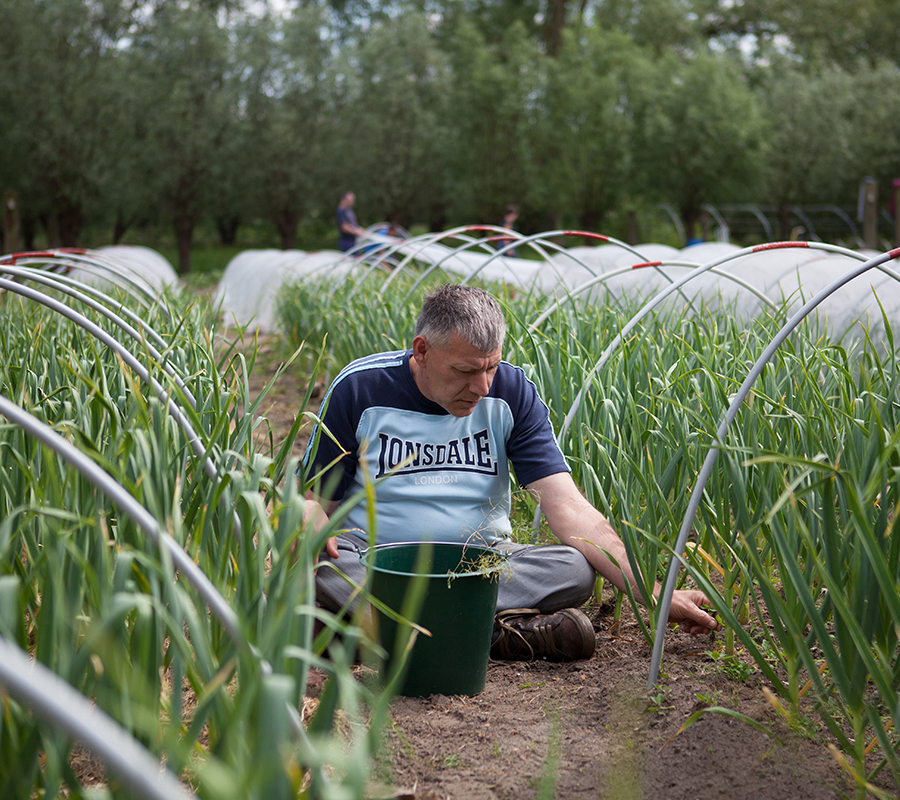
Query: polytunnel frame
<point>172,408</point>
<point>358,254</point>
<point>599,279</point>
<point>102,481</point>
<point>665,600</point>
<point>841,215</point>
<point>426,240</point>
<point>119,349</point>
<point>721,225</point>
<point>760,217</point>
<point>218,605</point>
<point>69,256</point>
<point>123,267</point>
<point>66,285</point>
<point>540,237</point>
<point>53,698</point>
<point>456,233</point>
<point>583,234</point>
<point>663,295</point>
<point>492,255</point>
<point>93,726</point>
<point>128,504</point>
<point>801,215</point>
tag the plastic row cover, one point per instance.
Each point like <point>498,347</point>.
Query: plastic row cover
<point>741,280</point>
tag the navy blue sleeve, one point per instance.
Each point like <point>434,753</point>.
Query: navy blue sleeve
<point>532,447</point>
<point>336,417</point>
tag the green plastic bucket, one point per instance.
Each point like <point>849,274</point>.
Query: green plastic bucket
<point>461,583</point>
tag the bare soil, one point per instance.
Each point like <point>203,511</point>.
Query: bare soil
<point>592,729</point>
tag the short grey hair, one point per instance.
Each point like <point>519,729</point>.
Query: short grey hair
<point>466,310</point>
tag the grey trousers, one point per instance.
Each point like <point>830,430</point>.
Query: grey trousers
<point>545,577</point>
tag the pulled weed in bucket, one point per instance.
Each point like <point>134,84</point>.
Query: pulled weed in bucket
<point>490,564</point>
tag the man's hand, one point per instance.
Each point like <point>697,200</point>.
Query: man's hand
<point>686,610</point>
<point>319,516</point>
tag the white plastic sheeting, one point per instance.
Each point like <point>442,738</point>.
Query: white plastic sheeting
<point>248,291</point>
<point>126,265</point>
<point>251,282</point>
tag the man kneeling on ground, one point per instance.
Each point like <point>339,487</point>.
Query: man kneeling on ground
<point>449,417</point>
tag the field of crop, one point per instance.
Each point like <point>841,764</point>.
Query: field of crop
<point>156,572</point>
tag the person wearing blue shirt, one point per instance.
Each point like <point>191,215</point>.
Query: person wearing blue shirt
<point>348,227</point>
<point>442,426</point>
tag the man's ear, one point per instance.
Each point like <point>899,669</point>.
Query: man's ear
<point>420,349</point>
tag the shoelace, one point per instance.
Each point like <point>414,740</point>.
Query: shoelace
<point>542,632</point>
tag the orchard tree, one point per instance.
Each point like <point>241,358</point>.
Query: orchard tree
<point>184,56</point>
<point>809,139</point>
<point>59,85</point>
<point>291,130</point>
<point>875,134</point>
<point>585,131</point>
<point>817,33</point>
<point>698,133</point>
<point>494,97</point>
<point>394,126</point>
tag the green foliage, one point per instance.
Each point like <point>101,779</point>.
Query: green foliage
<point>88,593</point>
<point>126,117</point>
<point>794,540</point>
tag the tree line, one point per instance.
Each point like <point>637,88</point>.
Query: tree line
<point>122,114</point>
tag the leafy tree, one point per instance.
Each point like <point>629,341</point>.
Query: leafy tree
<point>184,56</point>
<point>286,92</point>
<point>809,138</point>
<point>59,91</point>
<point>585,135</point>
<point>875,110</point>
<point>395,120</point>
<point>697,132</point>
<point>659,26</point>
<point>495,94</point>
<point>820,32</point>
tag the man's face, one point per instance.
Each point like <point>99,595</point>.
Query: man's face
<point>456,378</point>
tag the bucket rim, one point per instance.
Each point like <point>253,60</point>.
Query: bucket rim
<point>489,571</point>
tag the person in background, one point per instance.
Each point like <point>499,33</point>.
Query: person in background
<point>438,429</point>
<point>510,215</point>
<point>348,227</point>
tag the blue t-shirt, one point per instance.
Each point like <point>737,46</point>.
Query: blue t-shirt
<point>443,478</point>
<point>345,240</point>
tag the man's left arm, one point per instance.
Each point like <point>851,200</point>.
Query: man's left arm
<point>575,522</point>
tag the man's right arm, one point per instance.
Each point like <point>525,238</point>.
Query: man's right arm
<point>318,515</point>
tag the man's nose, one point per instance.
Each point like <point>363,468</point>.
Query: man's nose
<point>480,384</point>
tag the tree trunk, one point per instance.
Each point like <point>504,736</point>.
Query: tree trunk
<point>553,27</point>
<point>589,220</point>
<point>119,228</point>
<point>11,222</point>
<point>437,218</point>
<point>184,232</point>
<point>634,231</point>
<point>51,223</point>
<point>29,232</point>
<point>286,222</point>
<point>690,217</point>
<point>784,216</point>
<point>71,221</point>
<point>227,226</point>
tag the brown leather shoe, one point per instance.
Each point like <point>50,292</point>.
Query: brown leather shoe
<point>524,634</point>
